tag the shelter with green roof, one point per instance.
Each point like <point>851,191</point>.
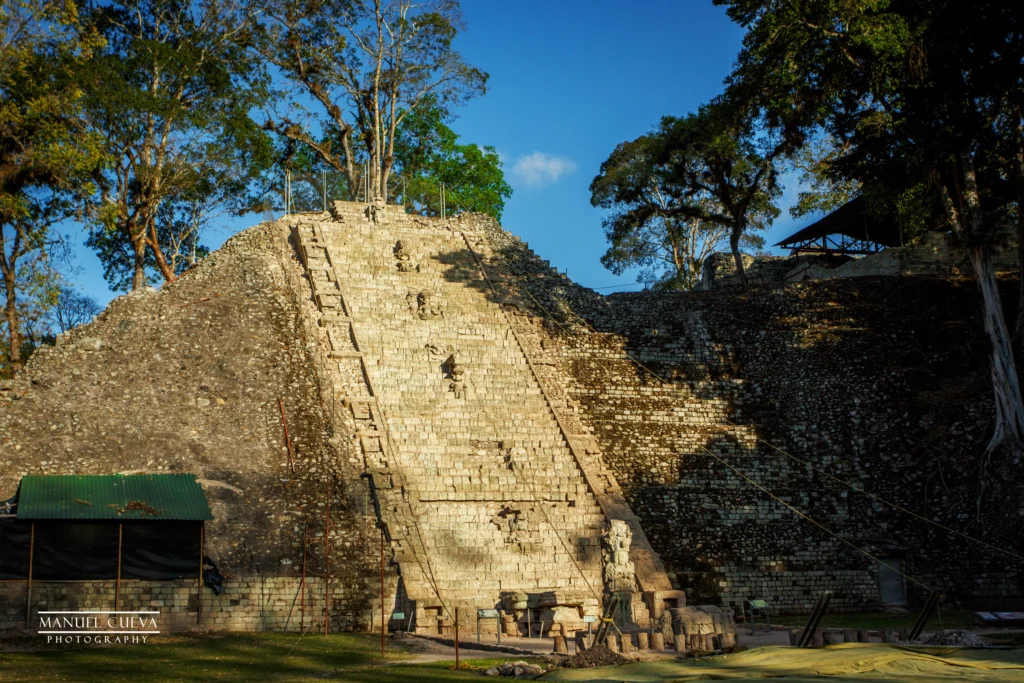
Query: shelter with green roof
<point>103,527</point>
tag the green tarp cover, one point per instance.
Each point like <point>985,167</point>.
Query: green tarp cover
<point>151,497</point>
<point>834,664</point>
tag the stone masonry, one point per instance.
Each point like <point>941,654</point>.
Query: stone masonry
<point>485,491</point>
<point>497,422</point>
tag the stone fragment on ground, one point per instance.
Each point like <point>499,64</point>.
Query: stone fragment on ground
<point>957,638</point>
<point>519,669</point>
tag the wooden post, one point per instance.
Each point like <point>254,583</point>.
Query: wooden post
<point>202,551</point>
<point>117,586</point>
<point>383,630</point>
<point>302,583</point>
<point>456,637</point>
<point>28,595</point>
<point>327,568</point>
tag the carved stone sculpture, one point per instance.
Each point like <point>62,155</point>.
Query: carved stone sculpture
<point>619,573</point>
<point>405,264</point>
<point>456,377</point>
<point>428,307</point>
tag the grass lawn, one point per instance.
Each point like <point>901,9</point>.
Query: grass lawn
<point>264,657</point>
<point>876,620</point>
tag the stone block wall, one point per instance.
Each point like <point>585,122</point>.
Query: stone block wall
<point>492,416</point>
<point>845,375</point>
<point>250,603</point>
<point>481,493</point>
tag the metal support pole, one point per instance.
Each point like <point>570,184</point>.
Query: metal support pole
<point>456,637</point>
<point>324,176</point>
<point>302,583</point>
<point>202,551</point>
<point>327,567</point>
<point>28,596</point>
<point>117,585</point>
<point>383,630</point>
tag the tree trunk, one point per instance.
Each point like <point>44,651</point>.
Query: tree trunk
<point>161,261</point>
<point>1019,173</point>
<point>139,251</point>
<point>11,314</point>
<point>1009,418</point>
<point>734,244</point>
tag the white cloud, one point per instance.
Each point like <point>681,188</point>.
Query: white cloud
<point>538,169</point>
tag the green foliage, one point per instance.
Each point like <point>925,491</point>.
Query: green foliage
<point>47,159</point>
<point>171,95</point>
<point>428,154</point>
<point>647,225</point>
<point>823,189</point>
<point>727,163</point>
<point>354,70</point>
<point>910,93</point>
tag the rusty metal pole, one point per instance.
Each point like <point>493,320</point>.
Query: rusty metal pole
<point>327,568</point>
<point>28,595</point>
<point>456,637</point>
<point>202,551</point>
<point>383,630</point>
<point>117,586</point>
<point>302,583</point>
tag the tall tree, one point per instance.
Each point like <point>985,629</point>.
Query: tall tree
<point>647,225</point>
<point>45,154</point>
<point>728,166</point>
<point>365,65</point>
<point>921,92</point>
<point>71,308</point>
<point>171,95</point>
<point>428,155</point>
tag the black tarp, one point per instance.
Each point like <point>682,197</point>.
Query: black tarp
<point>160,550</point>
<point>69,551</point>
<point>76,551</point>
<point>15,537</point>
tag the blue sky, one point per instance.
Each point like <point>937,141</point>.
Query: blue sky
<point>570,79</point>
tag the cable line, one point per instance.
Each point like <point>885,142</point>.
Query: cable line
<point>814,522</point>
<point>768,443</point>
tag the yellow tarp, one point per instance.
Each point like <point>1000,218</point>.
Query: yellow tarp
<point>835,664</point>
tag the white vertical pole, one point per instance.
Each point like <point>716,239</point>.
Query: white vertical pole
<point>325,189</point>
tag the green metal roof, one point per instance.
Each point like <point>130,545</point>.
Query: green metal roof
<point>151,497</point>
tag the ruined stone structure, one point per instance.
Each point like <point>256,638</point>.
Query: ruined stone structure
<point>932,255</point>
<point>521,442</point>
<point>485,483</point>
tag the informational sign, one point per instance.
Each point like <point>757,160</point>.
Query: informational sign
<point>758,604</point>
<point>398,616</point>
<point>487,614</point>
<point>589,619</point>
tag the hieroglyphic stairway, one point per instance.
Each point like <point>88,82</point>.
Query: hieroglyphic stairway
<point>486,484</point>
